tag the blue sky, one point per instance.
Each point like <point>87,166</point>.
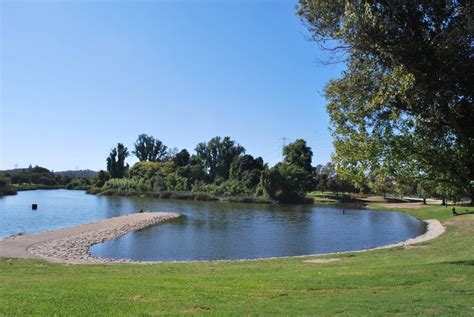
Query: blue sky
<point>79,76</point>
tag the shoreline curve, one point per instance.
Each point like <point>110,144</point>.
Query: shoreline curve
<point>72,245</point>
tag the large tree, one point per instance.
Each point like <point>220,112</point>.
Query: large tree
<point>116,161</point>
<point>147,148</point>
<point>182,158</point>
<point>217,156</point>
<point>290,180</point>
<point>405,102</point>
<point>299,154</point>
<point>247,170</point>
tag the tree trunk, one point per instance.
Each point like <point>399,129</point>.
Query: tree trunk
<point>424,200</point>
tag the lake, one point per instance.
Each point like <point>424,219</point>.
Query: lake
<point>210,230</point>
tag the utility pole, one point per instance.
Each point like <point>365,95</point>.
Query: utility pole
<point>283,140</point>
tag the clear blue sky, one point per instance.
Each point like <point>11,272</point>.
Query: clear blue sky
<point>79,76</point>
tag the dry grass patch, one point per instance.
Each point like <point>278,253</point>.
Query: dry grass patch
<point>137,298</point>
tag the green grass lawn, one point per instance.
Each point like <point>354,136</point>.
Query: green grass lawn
<point>328,197</point>
<point>436,277</point>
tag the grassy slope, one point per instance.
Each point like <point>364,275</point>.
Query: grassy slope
<point>436,277</point>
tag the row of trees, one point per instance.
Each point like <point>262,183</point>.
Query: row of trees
<point>37,175</point>
<point>218,167</point>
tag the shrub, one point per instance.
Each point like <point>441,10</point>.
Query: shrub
<point>126,187</point>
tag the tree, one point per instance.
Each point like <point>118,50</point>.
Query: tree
<point>116,161</point>
<point>299,154</point>
<point>247,170</point>
<point>406,98</point>
<point>182,158</point>
<point>100,179</point>
<point>286,183</point>
<point>290,180</point>
<point>147,148</point>
<point>217,156</point>
<point>326,179</point>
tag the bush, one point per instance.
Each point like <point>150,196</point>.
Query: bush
<point>79,183</point>
<point>5,187</point>
<point>125,187</point>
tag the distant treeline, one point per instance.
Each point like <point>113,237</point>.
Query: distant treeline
<point>217,168</point>
<point>39,177</point>
<point>5,186</point>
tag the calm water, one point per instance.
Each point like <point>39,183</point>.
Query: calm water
<point>210,230</point>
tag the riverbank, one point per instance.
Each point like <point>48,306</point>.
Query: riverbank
<point>197,196</point>
<point>7,191</point>
<point>435,277</point>
<point>37,187</point>
<point>72,245</point>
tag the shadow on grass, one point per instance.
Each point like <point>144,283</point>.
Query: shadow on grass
<point>467,262</point>
<point>464,213</point>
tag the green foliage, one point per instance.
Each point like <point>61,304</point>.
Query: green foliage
<point>299,154</point>
<point>175,182</point>
<point>217,156</point>
<point>38,176</point>
<point>287,183</point>
<point>79,183</point>
<point>247,170</point>
<point>229,188</point>
<point>126,187</point>
<point>145,170</point>
<point>290,180</point>
<point>100,179</point>
<point>219,169</point>
<point>181,158</point>
<point>5,186</point>
<point>147,148</point>
<point>326,179</point>
<point>116,161</point>
<point>402,112</point>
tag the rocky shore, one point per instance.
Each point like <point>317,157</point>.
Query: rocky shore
<point>72,245</point>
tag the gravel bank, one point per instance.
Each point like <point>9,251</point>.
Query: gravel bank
<point>72,245</point>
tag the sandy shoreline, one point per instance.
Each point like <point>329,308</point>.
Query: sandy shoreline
<point>72,245</point>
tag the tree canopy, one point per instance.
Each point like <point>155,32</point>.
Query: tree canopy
<point>217,155</point>
<point>116,161</point>
<point>403,109</point>
<point>290,180</point>
<point>147,148</point>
